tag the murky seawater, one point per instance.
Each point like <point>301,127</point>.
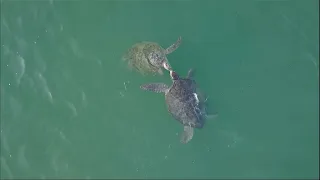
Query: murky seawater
<point>71,108</point>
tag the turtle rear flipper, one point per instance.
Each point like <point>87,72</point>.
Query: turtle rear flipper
<point>155,87</point>
<point>187,134</point>
<point>173,47</point>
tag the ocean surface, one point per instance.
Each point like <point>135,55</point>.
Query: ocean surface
<point>71,108</point>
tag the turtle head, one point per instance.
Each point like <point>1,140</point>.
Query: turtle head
<point>156,58</point>
<point>174,75</point>
<point>166,65</point>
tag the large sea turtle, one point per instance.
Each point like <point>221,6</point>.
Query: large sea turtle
<point>182,102</point>
<point>149,57</point>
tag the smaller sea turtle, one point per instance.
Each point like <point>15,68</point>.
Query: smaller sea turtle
<point>182,102</point>
<point>149,57</point>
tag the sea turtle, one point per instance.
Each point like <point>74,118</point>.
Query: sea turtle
<point>149,57</point>
<point>182,102</point>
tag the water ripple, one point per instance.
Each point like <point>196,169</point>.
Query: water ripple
<point>22,160</point>
<point>4,143</point>
<point>73,108</point>
<point>5,167</point>
<point>22,66</point>
<point>16,63</point>
<point>84,99</point>
<point>42,84</point>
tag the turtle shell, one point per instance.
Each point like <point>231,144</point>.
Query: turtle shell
<point>137,57</point>
<point>182,103</point>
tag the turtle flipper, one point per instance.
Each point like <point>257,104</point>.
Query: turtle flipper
<point>174,46</point>
<point>187,134</point>
<point>155,87</point>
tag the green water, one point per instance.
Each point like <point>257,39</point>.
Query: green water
<point>70,108</point>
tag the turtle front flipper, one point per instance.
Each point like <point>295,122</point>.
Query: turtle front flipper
<point>187,134</point>
<point>155,87</point>
<point>174,46</point>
